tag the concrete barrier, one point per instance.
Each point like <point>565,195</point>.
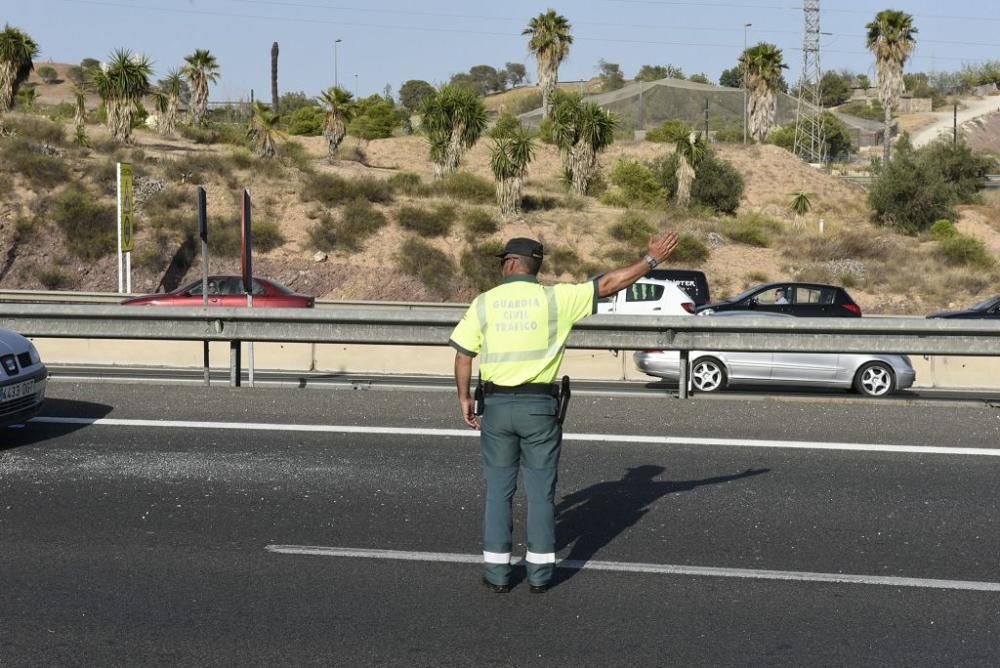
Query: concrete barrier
<point>932,372</point>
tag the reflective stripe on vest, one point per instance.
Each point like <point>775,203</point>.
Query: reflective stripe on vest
<point>552,349</point>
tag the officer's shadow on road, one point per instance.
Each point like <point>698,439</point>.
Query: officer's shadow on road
<point>35,432</point>
<point>591,518</point>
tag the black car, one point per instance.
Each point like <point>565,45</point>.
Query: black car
<point>691,281</point>
<point>987,310</point>
<point>810,300</point>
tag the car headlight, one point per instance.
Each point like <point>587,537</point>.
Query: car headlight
<point>707,311</point>
<point>33,353</point>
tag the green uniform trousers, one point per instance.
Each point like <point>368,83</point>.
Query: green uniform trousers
<point>520,430</point>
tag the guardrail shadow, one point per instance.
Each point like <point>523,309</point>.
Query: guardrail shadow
<point>591,518</point>
<point>31,433</point>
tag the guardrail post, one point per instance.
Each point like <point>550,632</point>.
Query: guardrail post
<point>235,365</point>
<point>684,368</point>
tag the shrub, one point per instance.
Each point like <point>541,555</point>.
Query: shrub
<point>559,260</point>
<point>55,278</point>
<point>526,103</point>
<point>427,223</point>
<point>962,250</point>
<point>467,187</point>
<point>377,119</point>
<point>41,170</point>
<point>215,133</point>
<point>690,250</point>
<point>637,183</point>
<point>332,190</point>
<point>225,237</point>
<point>752,230</point>
<point>359,220</point>
<point>539,202</point>
<point>668,132</point>
<point>964,170</point>
<point>323,234</point>
<point>942,229</point>
<point>408,183</point>
<point>48,74</point>
<point>267,237</point>
<point>479,223</point>
<point>294,155</point>
<point>429,264</point>
<point>88,224</point>
<point>352,153</point>
<point>910,195</point>
<point>166,202</point>
<point>633,229</point>
<point>717,185</point>
<point>37,128</point>
<point>306,121</point>
<point>731,133</point>
<point>845,243</point>
<point>620,255</point>
<point>479,264</point>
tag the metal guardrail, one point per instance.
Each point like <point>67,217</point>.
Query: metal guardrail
<point>992,180</point>
<point>432,327</point>
<point>69,297</point>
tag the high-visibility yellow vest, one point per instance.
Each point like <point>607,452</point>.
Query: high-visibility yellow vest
<point>519,328</point>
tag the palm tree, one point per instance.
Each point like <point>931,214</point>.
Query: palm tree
<point>890,38</point>
<point>800,205</point>
<point>691,149</point>
<point>201,68</point>
<point>121,83</point>
<point>17,50</point>
<point>263,131</point>
<point>581,131</point>
<point>761,66</point>
<point>168,102</point>
<point>549,43</point>
<point>454,119</point>
<point>510,155</point>
<point>80,116</point>
<point>340,109</point>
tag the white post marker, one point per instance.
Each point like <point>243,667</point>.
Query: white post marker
<point>126,225</point>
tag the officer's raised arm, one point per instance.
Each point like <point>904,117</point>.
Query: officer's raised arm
<point>659,249</point>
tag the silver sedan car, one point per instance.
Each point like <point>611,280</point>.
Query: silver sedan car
<point>872,375</point>
<point>22,378</point>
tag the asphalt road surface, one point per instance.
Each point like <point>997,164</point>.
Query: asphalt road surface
<point>147,524</point>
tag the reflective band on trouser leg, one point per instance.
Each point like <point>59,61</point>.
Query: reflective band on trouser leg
<point>498,557</point>
<point>540,558</point>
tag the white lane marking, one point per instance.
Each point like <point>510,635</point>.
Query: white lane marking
<point>602,438</point>
<point>659,569</point>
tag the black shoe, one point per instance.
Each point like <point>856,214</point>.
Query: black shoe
<point>540,589</point>
<point>495,588</point>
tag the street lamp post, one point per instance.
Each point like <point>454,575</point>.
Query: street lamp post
<point>355,86</point>
<point>336,79</point>
<point>744,68</point>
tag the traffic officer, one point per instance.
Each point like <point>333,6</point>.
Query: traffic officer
<point>519,330</point>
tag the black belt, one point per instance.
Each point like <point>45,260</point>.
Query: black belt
<point>547,389</point>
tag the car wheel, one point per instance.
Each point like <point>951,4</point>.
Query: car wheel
<point>708,374</point>
<point>875,379</point>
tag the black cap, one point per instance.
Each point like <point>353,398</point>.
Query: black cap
<point>523,246</point>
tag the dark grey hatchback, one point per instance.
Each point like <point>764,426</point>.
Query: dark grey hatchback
<point>809,300</point>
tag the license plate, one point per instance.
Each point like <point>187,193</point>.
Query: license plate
<point>17,391</point>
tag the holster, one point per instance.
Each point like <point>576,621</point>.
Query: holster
<point>479,398</point>
<point>564,394</point>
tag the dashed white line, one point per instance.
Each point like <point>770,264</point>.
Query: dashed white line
<point>468,433</point>
<point>657,569</point>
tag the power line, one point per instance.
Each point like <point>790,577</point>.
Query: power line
<point>792,8</point>
<point>583,38</point>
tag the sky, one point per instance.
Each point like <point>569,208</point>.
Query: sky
<point>391,41</point>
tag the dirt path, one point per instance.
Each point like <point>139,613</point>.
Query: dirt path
<point>944,120</point>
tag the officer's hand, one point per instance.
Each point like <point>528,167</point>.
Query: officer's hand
<point>661,247</point>
<point>469,412</point>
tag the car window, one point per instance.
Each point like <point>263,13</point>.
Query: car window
<point>773,296</point>
<point>814,295</point>
<point>258,289</point>
<point>643,292</point>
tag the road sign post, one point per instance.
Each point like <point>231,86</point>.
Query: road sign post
<point>247,261</point>
<point>125,225</point>
<point>203,235</point>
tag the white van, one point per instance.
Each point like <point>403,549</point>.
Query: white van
<point>648,296</point>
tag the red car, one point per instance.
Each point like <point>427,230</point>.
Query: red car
<point>227,291</point>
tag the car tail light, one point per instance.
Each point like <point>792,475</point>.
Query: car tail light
<point>688,306</point>
<point>853,308</point>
